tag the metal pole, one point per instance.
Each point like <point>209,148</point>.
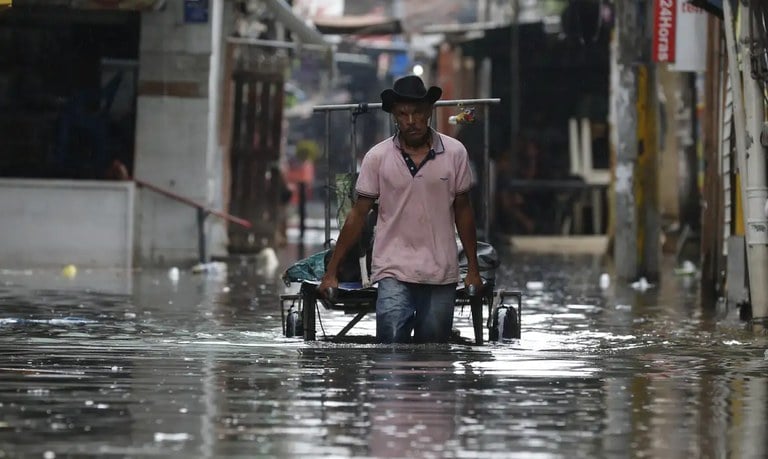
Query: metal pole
<point>302,210</point>
<point>277,44</point>
<point>486,173</point>
<point>328,177</point>
<point>439,103</point>
<point>201,214</point>
<point>353,146</point>
<point>302,217</point>
<point>514,73</point>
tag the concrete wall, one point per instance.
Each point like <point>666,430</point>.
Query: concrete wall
<point>176,147</point>
<point>52,223</point>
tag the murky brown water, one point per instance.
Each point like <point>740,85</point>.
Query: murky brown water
<point>135,365</point>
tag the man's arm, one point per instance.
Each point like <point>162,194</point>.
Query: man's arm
<point>348,237</point>
<point>465,225</point>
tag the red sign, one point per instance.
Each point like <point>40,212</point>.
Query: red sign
<point>664,20</point>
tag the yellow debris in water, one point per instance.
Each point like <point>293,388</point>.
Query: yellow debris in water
<point>69,271</point>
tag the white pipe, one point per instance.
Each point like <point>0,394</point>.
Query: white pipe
<point>214,76</point>
<point>738,100</point>
<point>214,173</point>
<point>303,32</point>
<point>756,190</point>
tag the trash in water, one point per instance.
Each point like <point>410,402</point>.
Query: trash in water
<point>69,271</point>
<point>605,281</point>
<point>534,285</point>
<point>266,262</point>
<point>686,269</point>
<point>173,274</point>
<point>160,436</point>
<point>213,267</point>
<point>641,284</point>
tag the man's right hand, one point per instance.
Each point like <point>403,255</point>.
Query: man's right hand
<point>329,281</point>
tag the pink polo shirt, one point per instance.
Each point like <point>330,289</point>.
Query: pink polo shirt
<point>416,230</point>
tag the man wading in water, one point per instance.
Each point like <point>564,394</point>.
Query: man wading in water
<point>421,179</point>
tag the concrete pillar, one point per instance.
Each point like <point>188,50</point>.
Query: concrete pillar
<point>625,56</point>
<point>633,99</point>
<point>177,144</point>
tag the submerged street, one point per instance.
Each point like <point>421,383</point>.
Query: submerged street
<point>139,365</point>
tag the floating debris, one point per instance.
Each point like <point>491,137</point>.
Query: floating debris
<point>173,274</point>
<point>605,281</point>
<point>534,285</point>
<point>69,271</point>
<point>641,284</point>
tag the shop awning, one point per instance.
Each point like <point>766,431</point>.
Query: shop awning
<point>712,6</point>
<point>358,25</point>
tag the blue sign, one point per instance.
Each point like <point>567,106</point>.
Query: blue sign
<point>196,11</point>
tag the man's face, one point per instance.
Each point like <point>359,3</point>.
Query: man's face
<point>412,119</point>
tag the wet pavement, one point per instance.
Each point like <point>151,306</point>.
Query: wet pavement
<point>112,364</point>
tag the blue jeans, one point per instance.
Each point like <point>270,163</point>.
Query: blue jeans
<point>425,310</point>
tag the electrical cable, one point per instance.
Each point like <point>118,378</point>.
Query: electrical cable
<point>320,320</point>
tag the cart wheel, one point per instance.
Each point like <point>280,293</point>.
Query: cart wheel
<point>504,325</point>
<point>294,326</point>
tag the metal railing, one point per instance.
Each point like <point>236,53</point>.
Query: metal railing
<point>202,213</point>
<point>357,109</point>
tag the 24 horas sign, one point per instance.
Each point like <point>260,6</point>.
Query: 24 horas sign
<point>679,35</point>
<point>664,14</point>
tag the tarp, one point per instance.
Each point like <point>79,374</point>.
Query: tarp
<point>311,268</point>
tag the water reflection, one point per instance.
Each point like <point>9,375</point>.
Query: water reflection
<point>198,366</point>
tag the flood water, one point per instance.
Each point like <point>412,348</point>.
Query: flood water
<point>114,364</point>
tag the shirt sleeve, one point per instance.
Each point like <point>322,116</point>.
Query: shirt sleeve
<point>368,180</point>
<point>463,172</point>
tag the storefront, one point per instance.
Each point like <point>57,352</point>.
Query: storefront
<point>96,91</point>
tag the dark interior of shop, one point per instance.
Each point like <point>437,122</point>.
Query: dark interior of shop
<point>67,92</point>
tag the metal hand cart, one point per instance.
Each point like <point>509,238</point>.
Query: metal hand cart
<point>300,310</point>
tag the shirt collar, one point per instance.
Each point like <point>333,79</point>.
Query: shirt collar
<point>436,142</point>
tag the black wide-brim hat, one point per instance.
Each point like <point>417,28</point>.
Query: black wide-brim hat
<point>409,89</point>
